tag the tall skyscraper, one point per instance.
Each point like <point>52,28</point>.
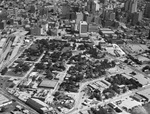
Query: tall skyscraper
<point>79,17</point>
<point>147,10</point>
<point>131,6</point>
<point>83,28</point>
<point>134,6</point>
<point>92,6</point>
<point>65,9</point>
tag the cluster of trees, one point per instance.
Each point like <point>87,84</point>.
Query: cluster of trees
<point>35,50</point>
<point>93,52</point>
<point>102,110</point>
<point>21,67</point>
<point>84,46</point>
<point>96,94</point>
<point>57,45</point>
<point>48,67</point>
<point>69,86</point>
<point>59,66</point>
<point>3,72</point>
<point>146,68</point>
<point>79,72</point>
<point>87,69</point>
<point>109,93</point>
<point>121,80</point>
<point>76,59</point>
<point>59,97</point>
<point>65,56</point>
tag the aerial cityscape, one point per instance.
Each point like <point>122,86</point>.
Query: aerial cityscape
<point>74,56</point>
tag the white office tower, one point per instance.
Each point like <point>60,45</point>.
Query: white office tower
<point>83,28</point>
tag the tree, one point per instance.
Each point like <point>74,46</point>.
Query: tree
<point>39,66</point>
<point>25,68</point>
<point>3,109</point>
<point>4,71</point>
<point>49,74</point>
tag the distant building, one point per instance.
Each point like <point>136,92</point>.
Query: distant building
<point>109,15</point>
<point>32,9</point>
<point>92,28</point>
<point>131,6</point>
<point>36,30</point>
<point>108,23</point>
<point>65,9</point>
<point>3,15</point>
<point>90,19</point>
<point>92,6</point>
<point>83,28</point>
<point>106,31</point>
<point>140,15</point>
<point>112,16</point>
<point>103,1</point>
<point>48,84</point>
<point>147,10</point>
<point>97,19</point>
<point>72,16</point>
<point>136,17</point>
<point>79,17</point>
<point>2,24</point>
<point>149,35</point>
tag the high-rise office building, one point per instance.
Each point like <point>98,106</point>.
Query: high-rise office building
<point>2,24</point>
<point>149,35</point>
<point>135,18</point>
<point>90,19</point>
<point>109,15</point>
<point>79,17</point>
<point>140,15</point>
<point>83,28</point>
<point>92,6</point>
<point>97,19</point>
<point>36,30</point>
<point>92,28</point>
<point>131,6</point>
<point>147,10</point>
<point>65,9</point>
<point>112,16</point>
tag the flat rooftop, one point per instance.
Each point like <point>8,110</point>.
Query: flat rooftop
<point>107,32</point>
<point>129,103</point>
<point>48,83</point>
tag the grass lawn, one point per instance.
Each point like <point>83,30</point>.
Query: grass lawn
<point>11,73</point>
